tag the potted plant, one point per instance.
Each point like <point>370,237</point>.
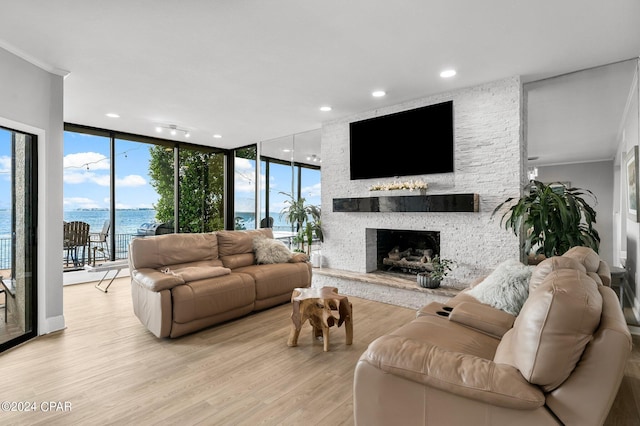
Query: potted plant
<point>440,268</point>
<point>551,219</point>
<point>306,220</point>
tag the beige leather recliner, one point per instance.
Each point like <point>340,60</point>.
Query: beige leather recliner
<point>560,361</point>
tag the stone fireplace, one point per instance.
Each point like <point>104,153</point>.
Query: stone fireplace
<point>489,159</point>
<point>406,251</point>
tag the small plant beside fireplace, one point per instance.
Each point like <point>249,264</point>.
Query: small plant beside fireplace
<point>440,268</point>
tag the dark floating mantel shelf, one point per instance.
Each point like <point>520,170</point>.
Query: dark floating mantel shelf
<point>409,203</point>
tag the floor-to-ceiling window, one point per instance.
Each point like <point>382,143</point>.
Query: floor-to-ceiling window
<point>244,190</point>
<point>290,169</point>
<point>310,184</point>
<point>86,191</point>
<point>278,187</point>
<point>126,186</point>
<point>201,190</point>
<point>18,215</point>
<point>136,194</point>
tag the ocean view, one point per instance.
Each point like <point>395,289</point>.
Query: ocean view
<point>127,221</point>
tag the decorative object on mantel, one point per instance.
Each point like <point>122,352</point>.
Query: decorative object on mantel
<point>440,268</point>
<point>552,218</point>
<point>417,186</point>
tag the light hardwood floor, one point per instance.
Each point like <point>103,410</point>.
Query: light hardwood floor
<point>112,371</point>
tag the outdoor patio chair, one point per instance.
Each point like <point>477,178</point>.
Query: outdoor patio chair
<point>266,222</point>
<point>76,235</point>
<point>99,241</point>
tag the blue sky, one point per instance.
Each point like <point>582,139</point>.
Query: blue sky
<point>5,168</point>
<point>86,173</point>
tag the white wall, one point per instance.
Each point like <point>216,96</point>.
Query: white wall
<point>628,242</point>
<point>31,100</point>
<point>489,159</point>
<point>598,178</point>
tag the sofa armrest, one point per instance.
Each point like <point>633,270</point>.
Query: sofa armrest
<point>481,317</point>
<point>461,374</point>
<point>154,280</point>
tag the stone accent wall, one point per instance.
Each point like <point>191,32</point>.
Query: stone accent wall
<point>489,160</point>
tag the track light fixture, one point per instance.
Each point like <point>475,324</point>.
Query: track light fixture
<point>314,158</point>
<point>173,130</point>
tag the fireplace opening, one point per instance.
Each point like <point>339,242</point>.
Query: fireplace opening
<point>406,251</point>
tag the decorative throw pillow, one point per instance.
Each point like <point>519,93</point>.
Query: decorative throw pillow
<point>268,250</point>
<point>506,288</point>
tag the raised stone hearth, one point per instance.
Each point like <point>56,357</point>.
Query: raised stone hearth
<point>387,287</point>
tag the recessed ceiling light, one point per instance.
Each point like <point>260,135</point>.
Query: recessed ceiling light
<point>112,115</point>
<point>447,73</point>
<point>217,136</point>
<point>378,93</point>
<point>325,108</point>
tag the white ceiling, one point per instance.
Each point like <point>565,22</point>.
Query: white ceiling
<point>576,117</point>
<point>257,70</point>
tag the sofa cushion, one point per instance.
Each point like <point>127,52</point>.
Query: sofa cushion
<point>239,242</point>
<point>209,297</point>
<point>194,273</point>
<point>506,288</point>
<point>165,250</point>
<point>278,278</point>
<point>551,264</point>
<point>268,250</point>
<point>554,326</point>
<point>234,261</point>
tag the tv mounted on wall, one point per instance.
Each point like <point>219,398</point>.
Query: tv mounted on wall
<point>414,142</point>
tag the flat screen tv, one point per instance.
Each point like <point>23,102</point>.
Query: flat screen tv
<point>414,142</point>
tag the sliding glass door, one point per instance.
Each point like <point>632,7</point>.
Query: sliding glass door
<point>18,212</point>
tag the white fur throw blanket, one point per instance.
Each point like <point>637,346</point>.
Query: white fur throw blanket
<point>506,288</point>
<point>268,250</point>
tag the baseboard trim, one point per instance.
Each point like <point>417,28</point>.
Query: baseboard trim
<point>52,324</point>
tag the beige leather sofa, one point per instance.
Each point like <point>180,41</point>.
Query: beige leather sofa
<point>181,283</point>
<point>560,361</point>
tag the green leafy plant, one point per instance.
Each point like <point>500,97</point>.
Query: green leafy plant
<point>315,223</point>
<point>201,181</point>
<point>306,220</point>
<point>551,218</point>
<point>441,267</point>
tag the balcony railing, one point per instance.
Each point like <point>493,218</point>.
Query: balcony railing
<point>121,252</point>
